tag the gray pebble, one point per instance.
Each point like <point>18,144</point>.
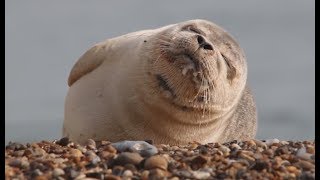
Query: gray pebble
<point>15,163</point>
<point>57,172</point>
<point>143,148</point>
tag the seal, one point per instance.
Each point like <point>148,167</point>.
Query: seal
<point>176,84</point>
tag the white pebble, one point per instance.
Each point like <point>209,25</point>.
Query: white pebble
<point>127,173</point>
<point>201,174</point>
<point>269,142</point>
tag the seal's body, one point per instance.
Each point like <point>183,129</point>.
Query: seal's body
<point>179,83</point>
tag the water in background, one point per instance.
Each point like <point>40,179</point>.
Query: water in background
<point>45,38</point>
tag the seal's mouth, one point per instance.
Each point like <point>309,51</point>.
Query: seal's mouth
<point>163,83</point>
<point>170,94</point>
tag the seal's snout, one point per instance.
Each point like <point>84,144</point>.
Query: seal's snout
<point>203,43</point>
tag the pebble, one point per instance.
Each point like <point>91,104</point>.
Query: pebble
<point>128,158</point>
<point>15,163</point>
<point>235,146</point>
<point>57,172</point>
<point>91,144</point>
<point>306,165</point>
<point>110,149</point>
<point>260,144</point>
<point>270,142</point>
<point>157,174</point>
<point>63,141</point>
<point>127,173</point>
<point>156,161</point>
<point>76,153</point>
<point>145,174</point>
<point>143,148</point>
<point>200,174</point>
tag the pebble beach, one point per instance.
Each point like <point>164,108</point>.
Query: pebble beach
<point>252,159</point>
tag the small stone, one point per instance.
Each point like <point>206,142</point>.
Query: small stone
<point>36,172</point>
<point>76,153</point>
<point>80,176</point>
<point>247,157</point>
<point>270,142</point>
<point>128,158</point>
<point>16,146</point>
<point>306,165</point>
<point>18,153</point>
<point>39,152</point>
<point>284,142</point>
<point>310,149</point>
<point>15,163</point>
<point>157,174</point>
<point>25,164</point>
<point>224,149</point>
<point>57,172</point>
<point>63,141</point>
<point>91,144</point>
<point>184,173</point>
<point>130,167</point>
<point>96,175</point>
<point>307,175</point>
<point>235,146</point>
<point>156,162</point>
<point>281,150</point>
<point>260,144</point>
<point>259,165</point>
<point>95,160</point>
<point>201,174</point>
<point>143,148</point>
<point>145,174</point>
<point>174,178</point>
<point>292,169</point>
<point>117,170</point>
<point>105,155</point>
<point>302,153</point>
<point>110,149</point>
<point>198,161</point>
<point>73,173</point>
<point>112,177</point>
<point>127,173</point>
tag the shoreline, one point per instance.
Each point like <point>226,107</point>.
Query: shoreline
<point>252,159</point>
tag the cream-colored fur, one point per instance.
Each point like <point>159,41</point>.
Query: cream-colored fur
<point>114,94</point>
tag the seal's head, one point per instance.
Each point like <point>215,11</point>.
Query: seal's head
<point>196,66</point>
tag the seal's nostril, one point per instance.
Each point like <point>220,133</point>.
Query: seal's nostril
<point>207,47</point>
<point>200,39</point>
<point>202,42</point>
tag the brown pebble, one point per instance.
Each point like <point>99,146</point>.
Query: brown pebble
<point>76,153</point>
<point>157,174</point>
<point>306,165</point>
<point>310,149</point>
<point>145,175</point>
<point>156,161</point>
<point>110,149</point>
<point>200,160</point>
<point>112,177</point>
<point>260,144</point>
<point>128,158</point>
